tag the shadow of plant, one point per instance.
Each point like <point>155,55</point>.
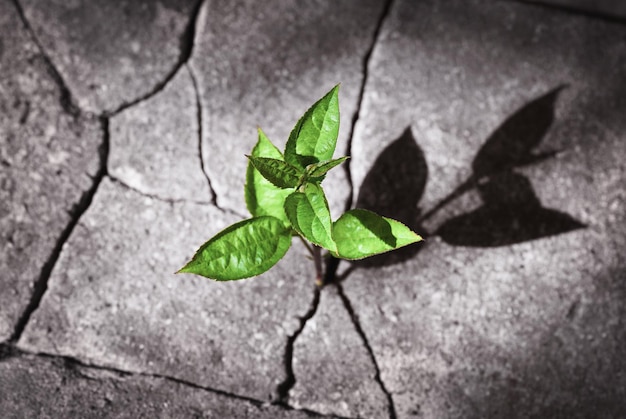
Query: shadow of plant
<point>511,212</point>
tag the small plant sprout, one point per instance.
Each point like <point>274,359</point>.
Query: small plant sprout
<point>284,195</point>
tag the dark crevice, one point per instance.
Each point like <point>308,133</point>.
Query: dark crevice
<point>283,389</point>
<point>357,325</point>
<point>187,41</point>
<point>74,365</point>
<point>332,264</point>
<point>357,113</point>
<point>67,102</point>
<point>41,284</point>
<point>125,185</point>
<point>200,133</point>
<point>571,10</point>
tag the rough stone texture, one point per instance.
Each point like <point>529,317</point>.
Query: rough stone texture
<point>614,8</point>
<point>154,146</point>
<point>46,159</point>
<point>264,64</point>
<point>32,387</point>
<point>335,376</point>
<point>111,53</point>
<point>113,299</point>
<point>533,329</point>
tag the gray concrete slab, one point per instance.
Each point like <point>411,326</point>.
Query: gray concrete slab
<point>490,319</point>
<point>111,53</point>
<point>47,160</point>
<point>113,299</point>
<point>35,387</point>
<point>154,146</point>
<point>262,65</point>
<point>335,375</point>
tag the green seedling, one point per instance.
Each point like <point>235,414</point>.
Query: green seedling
<point>284,195</point>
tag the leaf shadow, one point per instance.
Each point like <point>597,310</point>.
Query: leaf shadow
<point>511,214</point>
<point>393,188</point>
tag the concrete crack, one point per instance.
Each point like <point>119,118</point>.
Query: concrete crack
<point>187,41</point>
<point>200,131</point>
<point>357,325</point>
<point>283,389</point>
<point>125,185</point>
<point>41,284</point>
<point>357,113</point>
<point>67,102</point>
<point>592,14</point>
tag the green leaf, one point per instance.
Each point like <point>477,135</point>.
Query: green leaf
<point>247,248</point>
<point>280,173</point>
<point>321,168</point>
<point>314,137</point>
<point>360,233</point>
<point>309,215</point>
<point>263,198</point>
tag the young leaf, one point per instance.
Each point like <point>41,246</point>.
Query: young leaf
<point>360,233</point>
<point>280,173</point>
<point>247,248</point>
<point>321,168</point>
<point>314,137</point>
<point>263,198</point>
<point>309,215</point>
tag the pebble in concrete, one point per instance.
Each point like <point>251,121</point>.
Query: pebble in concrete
<point>111,53</point>
<point>37,387</point>
<point>335,376</point>
<point>154,146</point>
<point>113,299</point>
<point>531,329</point>
<point>260,66</point>
<point>47,160</point>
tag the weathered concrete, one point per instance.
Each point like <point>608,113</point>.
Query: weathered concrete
<point>264,66</point>
<point>111,53</point>
<point>335,376</point>
<point>154,146</point>
<point>533,329</point>
<point>114,300</point>
<point>35,387</point>
<point>47,159</point>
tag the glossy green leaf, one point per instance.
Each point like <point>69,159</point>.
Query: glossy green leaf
<point>278,172</point>
<point>262,197</point>
<point>314,137</point>
<point>247,248</point>
<point>309,215</point>
<point>360,233</point>
<point>321,168</point>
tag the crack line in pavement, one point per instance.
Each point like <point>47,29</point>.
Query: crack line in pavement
<point>571,10</point>
<point>41,284</point>
<point>283,389</point>
<point>192,75</point>
<point>357,113</point>
<point>8,351</point>
<point>67,102</point>
<point>187,41</point>
<point>125,185</point>
<point>357,325</point>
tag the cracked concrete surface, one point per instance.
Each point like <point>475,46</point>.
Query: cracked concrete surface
<point>123,130</point>
<point>47,161</point>
<point>110,54</point>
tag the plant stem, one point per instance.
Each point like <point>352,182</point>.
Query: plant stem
<point>307,245</point>
<point>317,260</point>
